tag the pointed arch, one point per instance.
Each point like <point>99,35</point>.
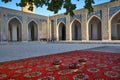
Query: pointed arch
<point>14,17</point>
<point>75,30</point>
<point>92,18</point>
<point>61,22</point>
<point>114,15</point>
<point>114,24</point>
<point>61,31</point>
<point>33,21</point>
<point>94,28</point>
<point>75,20</point>
<point>32,30</point>
<point>14,29</point>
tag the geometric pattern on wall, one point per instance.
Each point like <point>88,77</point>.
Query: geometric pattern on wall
<point>35,19</point>
<point>14,15</point>
<point>63,19</point>
<point>113,10</point>
<point>97,13</point>
<point>78,16</point>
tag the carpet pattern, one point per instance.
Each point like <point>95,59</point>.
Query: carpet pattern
<point>99,66</point>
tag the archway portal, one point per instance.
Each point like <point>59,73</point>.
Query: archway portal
<point>115,27</point>
<point>14,30</point>
<point>95,29</point>
<point>32,31</point>
<point>76,30</point>
<point>62,31</point>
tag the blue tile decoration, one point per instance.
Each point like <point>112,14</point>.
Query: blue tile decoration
<point>113,10</point>
<point>35,19</point>
<point>63,19</point>
<point>14,15</point>
<point>79,17</point>
<point>97,13</point>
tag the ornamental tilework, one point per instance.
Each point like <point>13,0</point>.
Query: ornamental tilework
<point>97,13</point>
<point>61,20</point>
<point>14,15</point>
<point>79,17</point>
<point>35,19</point>
<point>113,10</point>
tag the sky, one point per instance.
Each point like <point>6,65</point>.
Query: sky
<point>43,10</point>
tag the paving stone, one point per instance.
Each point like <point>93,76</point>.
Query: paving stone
<point>20,50</point>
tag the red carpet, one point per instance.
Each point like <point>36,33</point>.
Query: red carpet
<point>99,66</point>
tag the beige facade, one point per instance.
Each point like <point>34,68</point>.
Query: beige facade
<point>21,26</point>
<point>101,25</point>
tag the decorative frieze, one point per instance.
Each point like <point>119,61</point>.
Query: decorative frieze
<point>14,15</point>
<point>113,10</point>
<point>63,19</point>
<point>78,16</point>
<point>97,13</point>
<point>36,19</point>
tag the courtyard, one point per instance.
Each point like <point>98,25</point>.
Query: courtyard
<point>20,50</point>
<point>37,61</point>
<point>85,46</point>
